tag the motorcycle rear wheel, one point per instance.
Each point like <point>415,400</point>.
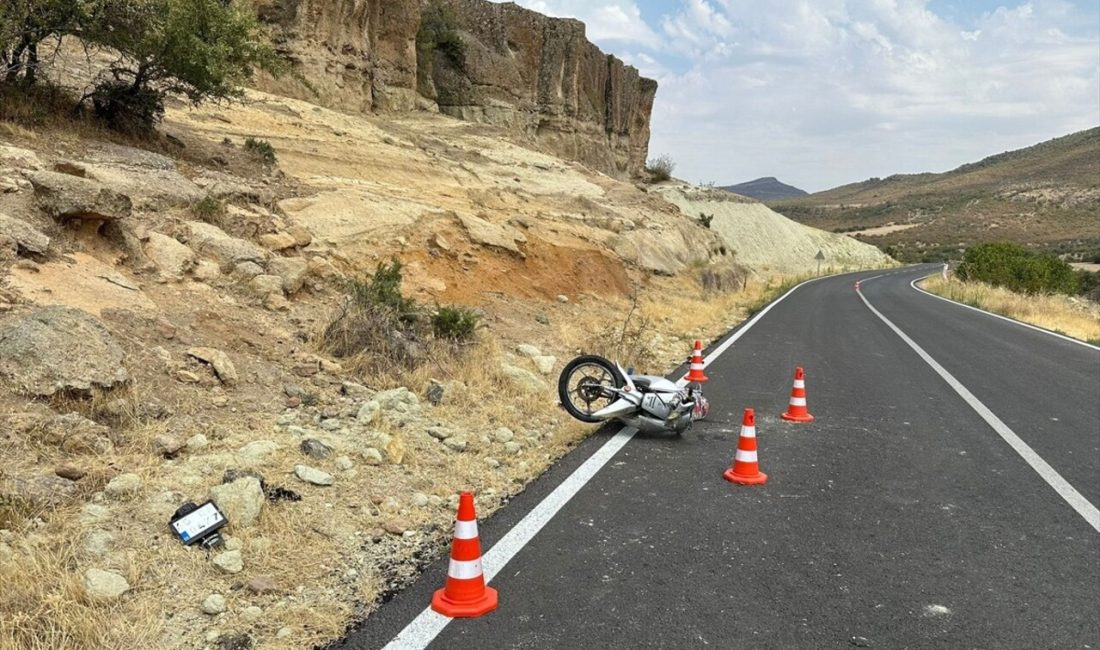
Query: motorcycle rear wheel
<point>581,384</point>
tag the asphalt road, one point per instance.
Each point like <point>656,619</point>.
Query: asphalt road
<point>898,519</point>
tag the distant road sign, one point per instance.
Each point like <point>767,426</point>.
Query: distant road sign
<point>820,255</point>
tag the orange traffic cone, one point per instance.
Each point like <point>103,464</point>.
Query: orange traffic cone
<point>465,594</point>
<point>796,410</point>
<point>696,375</point>
<point>745,469</point>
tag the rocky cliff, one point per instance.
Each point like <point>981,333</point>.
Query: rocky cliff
<point>537,76</point>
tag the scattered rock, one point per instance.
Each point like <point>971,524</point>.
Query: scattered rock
<point>368,413</point>
<point>97,543</point>
<point>264,285</point>
<point>344,463</point>
<point>283,633</point>
<point>70,472</point>
<point>860,642</point>
<point>278,241</point>
<point>228,251</point>
<point>38,491</point>
<point>562,298</point>
<point>392,447</point>
<point>528,351</point>
<point>440,433</point>
<point>355,391</point>
<point>167,446</point>
<point>25,236</point>
<point>206,271</point>
<point>241,500</point>
<point>276,302</point>
<point>420,499</point>
<point>315,448</point>
<point>489,234</point>
<point>263,584</point>
<point>219,361</point>
<point>492,462</point>
<point>292,271</point>
<point>60,349</point>
<point>105,585</point>
<point>257,449</point>
<point>436,391</point>
<point>252,613</point>
<point>504,434</point>
<point>213,605</point>
<point>458,444</point>
<point>313,475</point>
<point>197,441</point>
<point>513,447</point>
<point>372,456</point>
<point>63,196</point>
<point>247,270</point>
<point>94,513</point>
<point>396,526</point>
<point>171,258</point>
<point>229,561</point>
<point>124,486</point>
<point>545,363</point>
<point>239,641</point>
<point>523,378</point>
<point>302,236</point>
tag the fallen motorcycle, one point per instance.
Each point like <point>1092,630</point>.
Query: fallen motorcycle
<point>593,389</point>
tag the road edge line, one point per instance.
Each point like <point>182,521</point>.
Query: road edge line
<point>913,284</point>
<point>1063,487</point>
<point>428,624</point>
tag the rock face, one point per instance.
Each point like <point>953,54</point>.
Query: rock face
<point>70,197</point>
<point>537,76</point>
<point>25,236</point>
<point>60,349</point>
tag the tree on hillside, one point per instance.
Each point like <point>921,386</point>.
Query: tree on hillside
<point>25,25</point>
<point>201,49</point>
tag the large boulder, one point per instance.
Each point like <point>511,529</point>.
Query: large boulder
<point>292,270</point>
<point>60,349</point>
<point>63,196</point>
<point>229,251</point>
<point>171,258</point>
<point>25,236</point>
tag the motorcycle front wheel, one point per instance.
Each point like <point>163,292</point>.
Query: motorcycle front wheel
<point>583,384</point>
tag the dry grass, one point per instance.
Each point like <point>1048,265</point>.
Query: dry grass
<point>1073,317</point>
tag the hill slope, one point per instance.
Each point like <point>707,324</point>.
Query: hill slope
<point>768,188</point>
<point>1045,196</point>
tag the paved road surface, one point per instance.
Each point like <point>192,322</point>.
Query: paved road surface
<point>899,519</point>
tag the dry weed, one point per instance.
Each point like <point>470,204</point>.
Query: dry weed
<point>1075,317</point>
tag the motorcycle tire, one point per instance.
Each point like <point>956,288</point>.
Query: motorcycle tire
<point>615,377</point>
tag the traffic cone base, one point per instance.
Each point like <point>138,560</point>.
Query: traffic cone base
<point>731,476</point>
<point>465,609</point>
<point>465,594</point>
<point>797,418</point>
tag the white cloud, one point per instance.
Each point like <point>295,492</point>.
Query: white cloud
<point>824,92</point>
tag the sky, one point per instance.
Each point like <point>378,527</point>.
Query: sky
<point>820,93</point>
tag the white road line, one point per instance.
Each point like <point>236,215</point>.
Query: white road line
<point>423,629</point>
<point>1074,498</point>
<point>1005,318</point>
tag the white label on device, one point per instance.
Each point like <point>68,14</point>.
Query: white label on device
<point>197,522</point>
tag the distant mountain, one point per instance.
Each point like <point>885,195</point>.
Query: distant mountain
<point>766,189</point>
<point>1046,197</point>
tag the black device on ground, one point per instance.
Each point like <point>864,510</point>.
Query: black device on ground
<point>199,524</point>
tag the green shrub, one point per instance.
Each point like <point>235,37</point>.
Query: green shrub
<point>705,219</point>
<point>660,168</point>
<point>455,323</point>
<point>208,209</point>
<point>261,149</point>
<point>438,34</point>
<point>1013,267</point>
<point>383,290</point>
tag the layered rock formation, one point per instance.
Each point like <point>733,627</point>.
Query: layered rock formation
<point>535,75</point>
